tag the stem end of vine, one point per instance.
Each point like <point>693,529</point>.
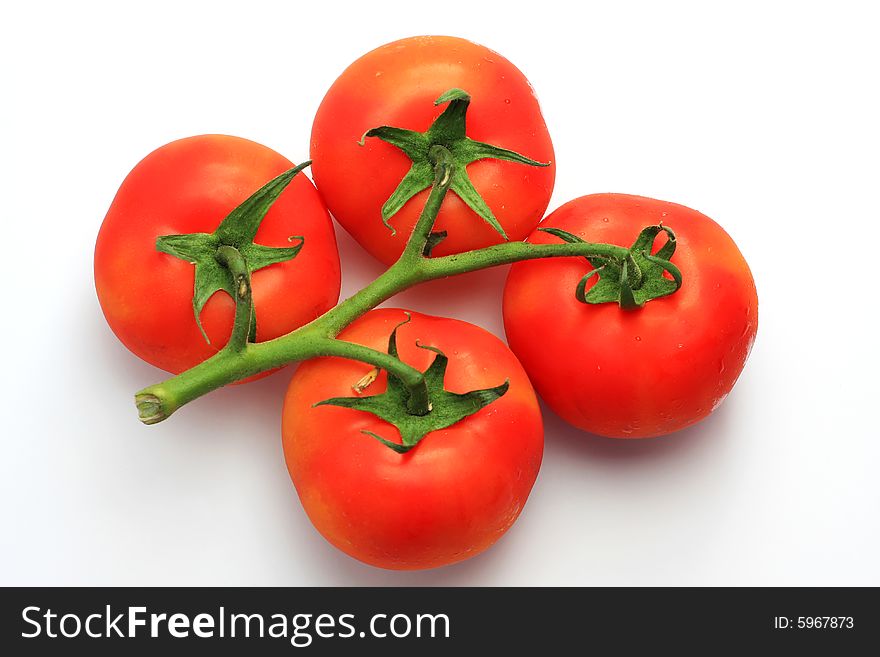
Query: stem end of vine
<point>151,408</point>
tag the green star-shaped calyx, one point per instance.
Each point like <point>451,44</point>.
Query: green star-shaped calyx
<point>448,131</point>
<point>445,408</point>
<point>634,280</point>
<point>237,230</point>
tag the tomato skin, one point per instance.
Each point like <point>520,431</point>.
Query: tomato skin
<point>639,373</point>
<point>397,85</point>
<point>455,492</point>
<point>188,186</point>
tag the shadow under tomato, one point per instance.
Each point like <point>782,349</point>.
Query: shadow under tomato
<point>570,442</point>
<point>339,569</point>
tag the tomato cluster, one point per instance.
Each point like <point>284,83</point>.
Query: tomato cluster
<point>447,482</point>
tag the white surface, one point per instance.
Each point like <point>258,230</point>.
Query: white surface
<point>763,115</point>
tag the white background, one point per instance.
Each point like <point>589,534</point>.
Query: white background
<point>762,115</point>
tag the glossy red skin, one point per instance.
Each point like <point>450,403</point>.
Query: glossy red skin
<point>447,499</point>
<point>397,85</point>
<point>639,373</point>
<point>188,186</point>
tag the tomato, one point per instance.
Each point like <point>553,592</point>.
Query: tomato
<point>189,186</point>
<point>643,372</point>
<point>448,498</point>
<point>396,85</point>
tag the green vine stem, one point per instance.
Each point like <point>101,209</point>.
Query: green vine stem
<point>240,359</point>
<point>231,258</point>
<point>510,252</point>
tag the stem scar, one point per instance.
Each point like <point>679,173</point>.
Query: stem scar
<point>366,380</point>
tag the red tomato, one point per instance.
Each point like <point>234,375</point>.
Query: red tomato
<point>633,373</point>
<point>396,85</point>
<point>189,186</point>
<point>452,495</point>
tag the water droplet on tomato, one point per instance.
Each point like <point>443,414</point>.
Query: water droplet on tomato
<point>507,101</point>
<point>638,338</point>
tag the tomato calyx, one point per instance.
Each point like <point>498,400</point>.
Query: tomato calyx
<point>225,259</point>
<point>633,280</point>
<point>444,408</point>
<point>449,132</point>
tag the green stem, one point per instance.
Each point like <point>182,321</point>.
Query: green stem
<point>241,359</point>
<point>404,273</point>
<point>157,402</point>
<point>443,163</point>
<point>232,259</point>
<point>417,403</point>
<point>510,252</point>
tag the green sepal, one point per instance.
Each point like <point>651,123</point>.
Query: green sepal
<point>631,281</point>
<point>237,230</point>
<point>450,131</point>
<point>446,408</point>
